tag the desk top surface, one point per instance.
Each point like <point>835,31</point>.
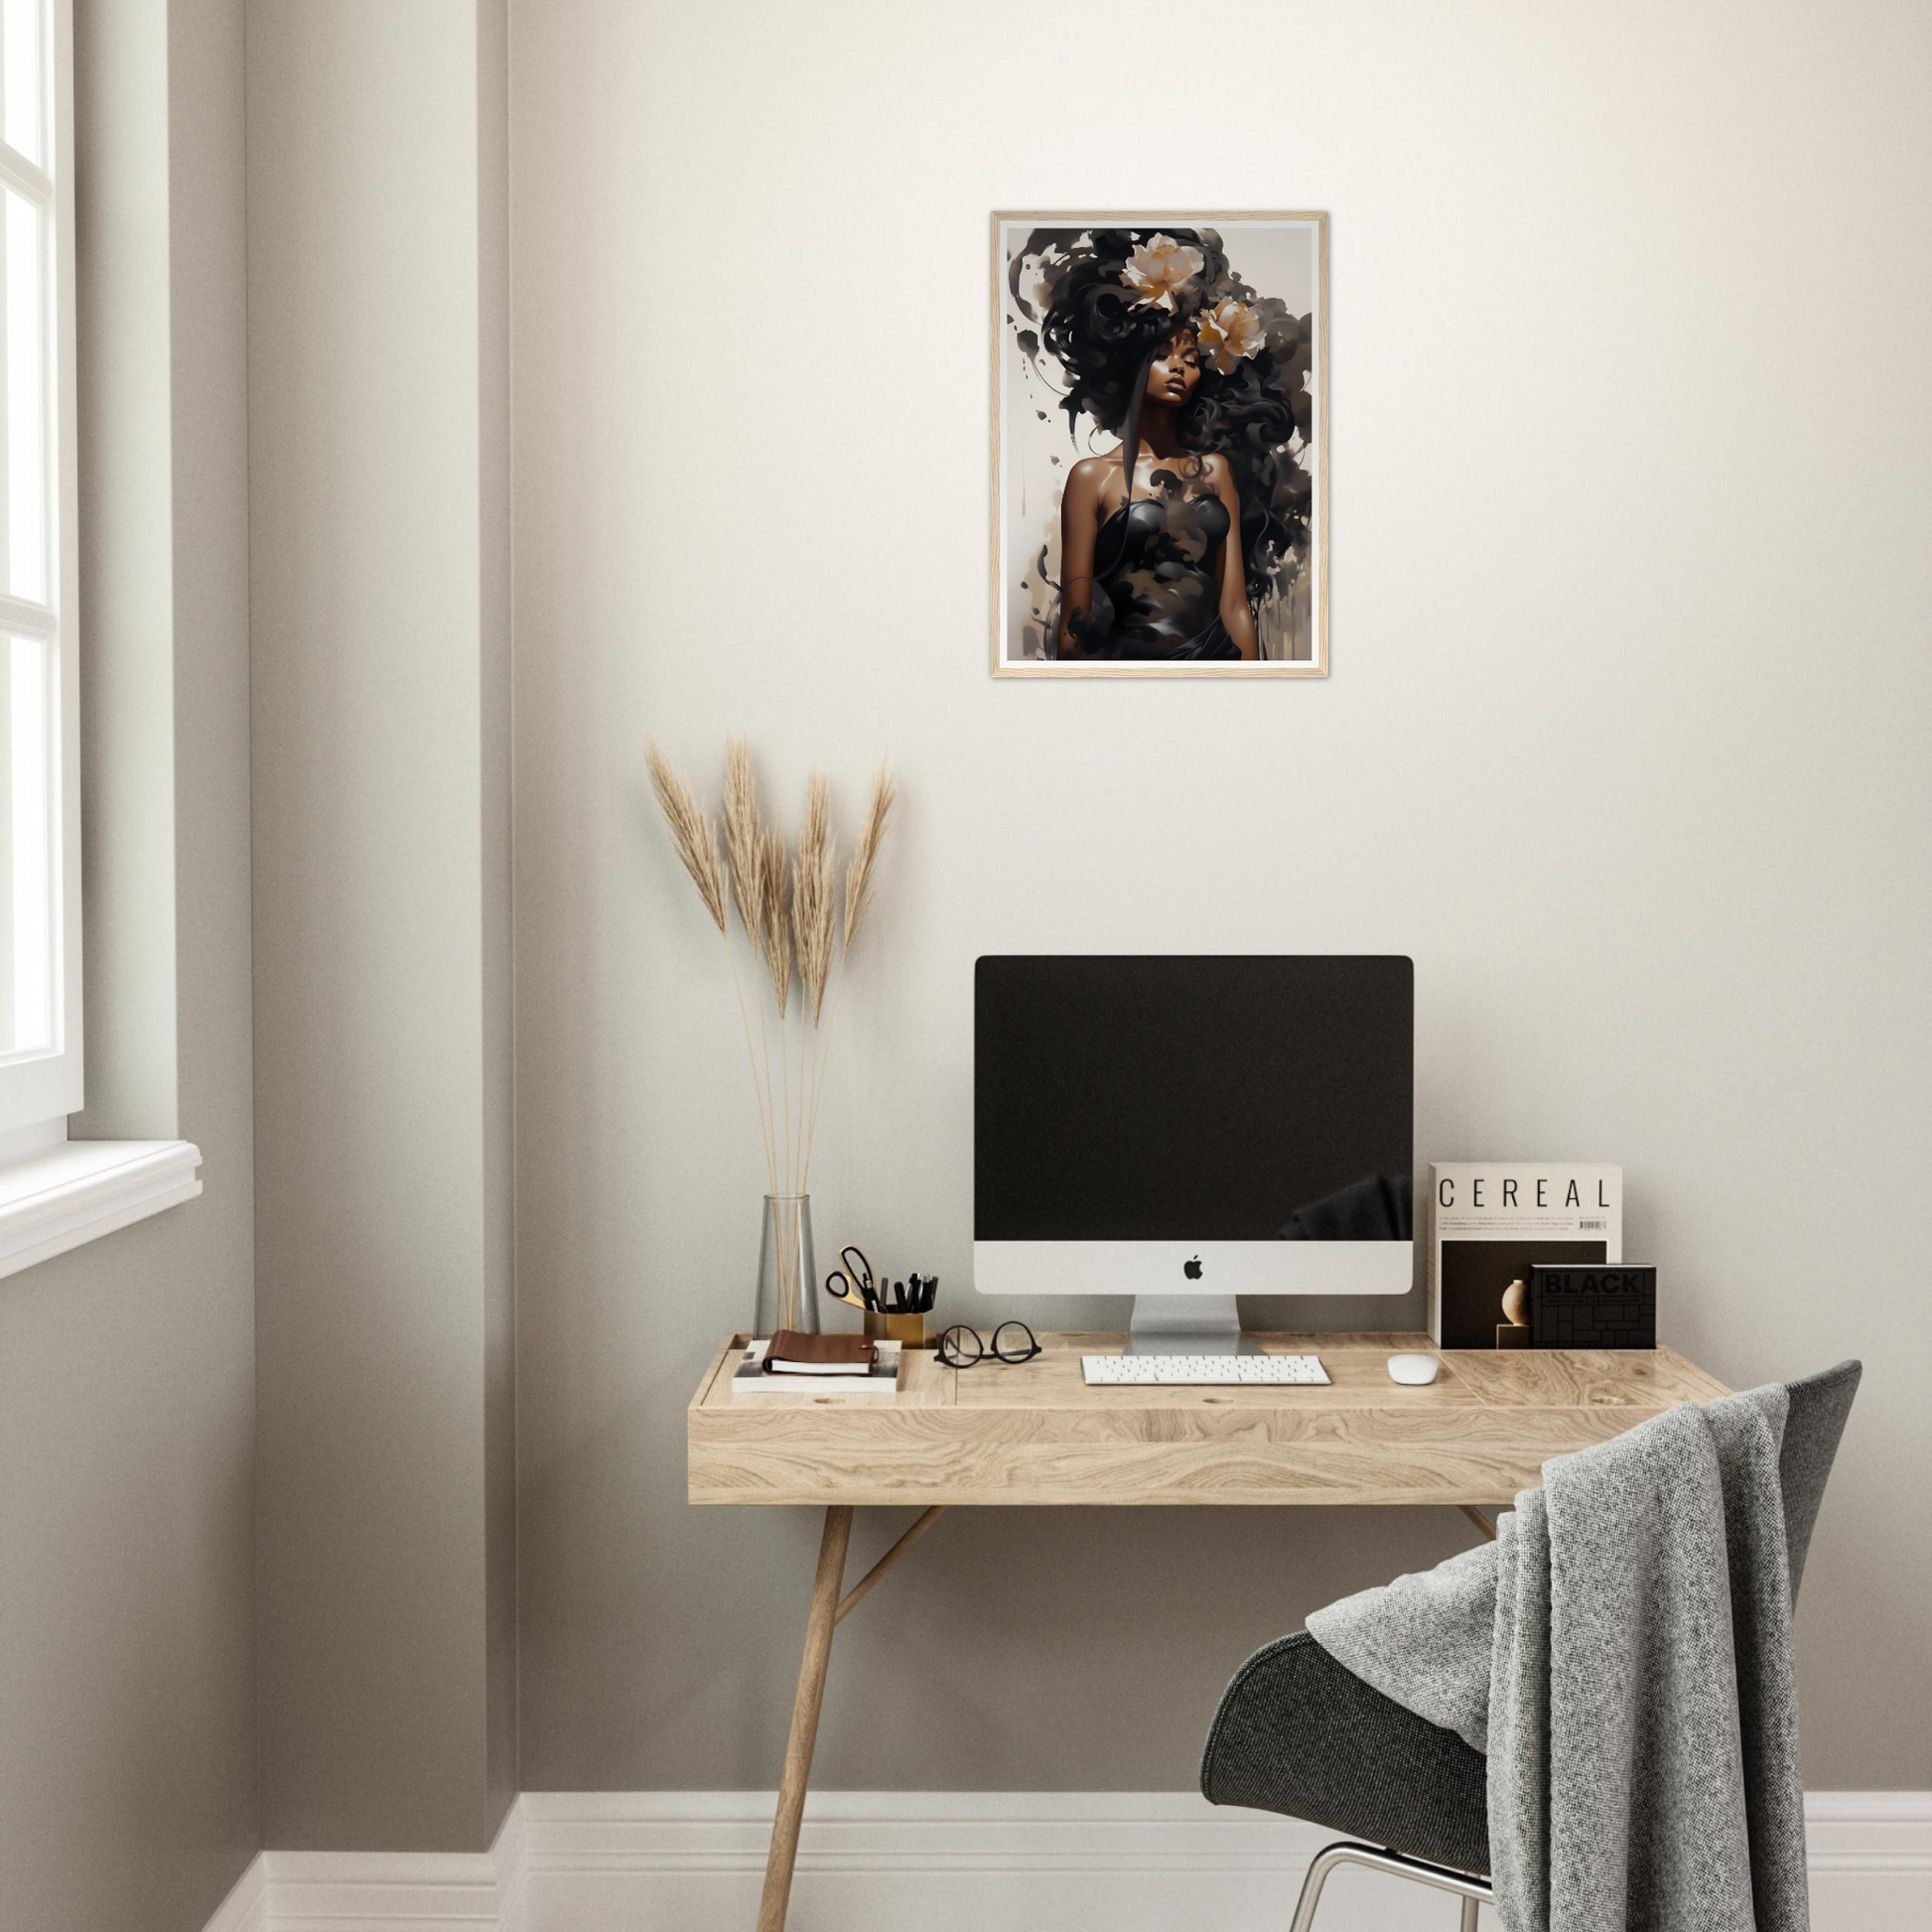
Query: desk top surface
<point>1035,1434</point>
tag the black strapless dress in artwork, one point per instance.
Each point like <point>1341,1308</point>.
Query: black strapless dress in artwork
<point>1154,589</point>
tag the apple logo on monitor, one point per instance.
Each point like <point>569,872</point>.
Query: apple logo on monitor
<point>1191,1269</point>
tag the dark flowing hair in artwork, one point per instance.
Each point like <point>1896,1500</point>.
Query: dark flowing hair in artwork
<point>1082,311</point>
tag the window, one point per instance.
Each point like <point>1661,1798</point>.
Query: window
<point>55,1193</point>
<point>40,846</point>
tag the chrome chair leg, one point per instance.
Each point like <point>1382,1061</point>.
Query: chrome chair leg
<point>1473,1891</point>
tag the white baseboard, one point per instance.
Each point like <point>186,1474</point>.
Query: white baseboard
<point>245,1909</point>
<point>384,1891</point>
<point>953,1861</point>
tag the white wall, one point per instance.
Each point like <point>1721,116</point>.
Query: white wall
<point>1625,743</point>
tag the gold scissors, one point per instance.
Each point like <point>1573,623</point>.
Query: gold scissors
<point>853,1281</point>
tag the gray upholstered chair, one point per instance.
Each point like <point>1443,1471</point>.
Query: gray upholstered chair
<point>1299,1734</point>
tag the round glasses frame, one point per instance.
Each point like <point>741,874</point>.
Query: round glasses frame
<point>1013,1341</point>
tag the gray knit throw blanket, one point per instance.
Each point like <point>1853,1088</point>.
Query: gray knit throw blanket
<point>1622,1653</point>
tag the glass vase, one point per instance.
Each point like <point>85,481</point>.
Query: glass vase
<point>788,1272</point>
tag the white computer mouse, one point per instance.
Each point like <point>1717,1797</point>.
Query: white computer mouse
<point>1414,1369</point>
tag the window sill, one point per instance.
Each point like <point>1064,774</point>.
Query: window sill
<point>79,1190</point>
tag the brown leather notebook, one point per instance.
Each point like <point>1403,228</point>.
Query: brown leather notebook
<point>794,1353</point>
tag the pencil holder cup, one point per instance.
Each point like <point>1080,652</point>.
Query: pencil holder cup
<point>907,1328</point>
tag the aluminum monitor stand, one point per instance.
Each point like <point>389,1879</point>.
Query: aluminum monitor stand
<point>1186,1325</point>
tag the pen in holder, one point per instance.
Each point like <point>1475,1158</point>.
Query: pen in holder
<point>902,1318</point>
<point>893,1310</point>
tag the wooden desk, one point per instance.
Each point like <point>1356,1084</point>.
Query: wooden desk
<point>1033,1433</point>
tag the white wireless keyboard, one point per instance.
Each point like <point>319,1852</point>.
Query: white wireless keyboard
<point>1202,1371</point>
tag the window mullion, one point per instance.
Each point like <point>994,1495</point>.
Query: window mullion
<point>27,181</point>
<point>26,620</point>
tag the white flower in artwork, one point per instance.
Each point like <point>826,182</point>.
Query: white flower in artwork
<point>1159,269</point>
<point>1230,332</point>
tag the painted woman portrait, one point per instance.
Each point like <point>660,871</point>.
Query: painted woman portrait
<point>1180,492</point>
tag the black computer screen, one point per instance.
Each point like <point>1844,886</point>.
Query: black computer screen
<point>1219,1098</point>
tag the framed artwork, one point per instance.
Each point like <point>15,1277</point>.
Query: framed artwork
<point>1160,444</point>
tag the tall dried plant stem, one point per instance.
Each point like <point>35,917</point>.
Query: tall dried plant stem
<point>751,1054</point>
<point>821,1059</point>
<point>784,1075</point>
<point>747,850</point>
<point>770,1098</point>
<point>775,934</point>
<point>788,1207</point>
<point>814,918</point>
<point>804,1147</point>
<point>804,1144</point>
<point>777,1171</point>
<point>858,896</point>
<point>778,1166</point>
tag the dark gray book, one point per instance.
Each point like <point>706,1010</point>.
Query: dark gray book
<point>1613,1305</point>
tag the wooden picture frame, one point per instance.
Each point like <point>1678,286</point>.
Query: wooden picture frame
<point>1255,349</point>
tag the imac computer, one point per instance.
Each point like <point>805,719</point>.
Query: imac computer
<point>1184,1130</point>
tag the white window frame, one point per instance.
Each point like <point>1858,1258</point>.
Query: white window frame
<point>39,1090</point>
<point>54,1192</point>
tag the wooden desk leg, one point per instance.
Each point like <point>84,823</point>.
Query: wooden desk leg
<point>804,1718</point>
<point>857,1594</point>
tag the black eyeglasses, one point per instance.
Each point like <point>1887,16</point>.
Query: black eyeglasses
<point>1013,1341</point>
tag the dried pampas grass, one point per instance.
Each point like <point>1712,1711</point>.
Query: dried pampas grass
<point>865,853</point>
<point>814,897</point>
<point>787,909</point>
<point>691,833</point>
<point>742,847</point>
<point>774,917</point>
